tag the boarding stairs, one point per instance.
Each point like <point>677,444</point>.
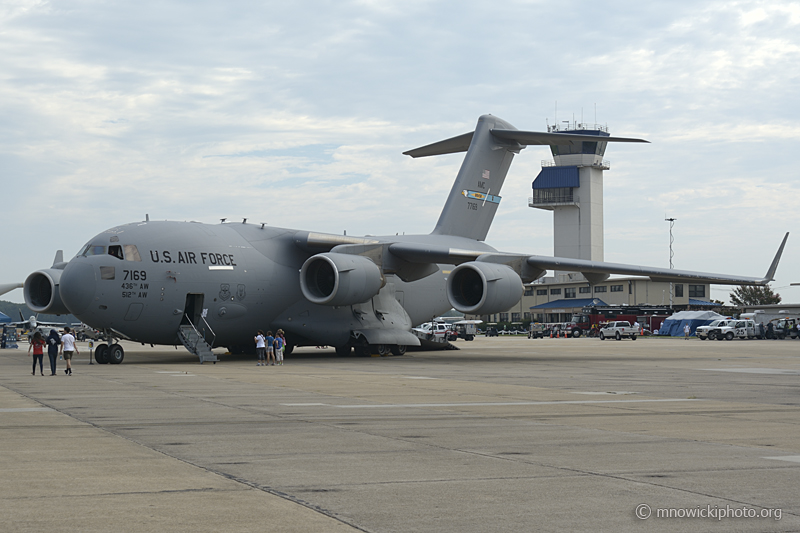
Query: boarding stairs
<point>429,341</point>
<point>194,342</point>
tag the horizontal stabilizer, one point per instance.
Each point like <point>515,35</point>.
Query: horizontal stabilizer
<point>540,138</point>
<point>525,138</point>
<point>448,146</point>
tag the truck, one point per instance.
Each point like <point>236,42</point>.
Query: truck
<point>536,330</point>
<point>465,329</point>
<point>618,329</point>
<point>783,328</point>
<point>709,330</point>
<point>736,329</point>
<point>594,316</point>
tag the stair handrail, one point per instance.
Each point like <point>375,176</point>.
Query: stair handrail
<point>214,338</point>
<point>195,330</point>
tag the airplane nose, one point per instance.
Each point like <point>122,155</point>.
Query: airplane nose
<point>77,286</point>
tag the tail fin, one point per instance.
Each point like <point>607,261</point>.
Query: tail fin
<point>475,196</point>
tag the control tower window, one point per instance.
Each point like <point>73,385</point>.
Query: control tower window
<point>132,253</point>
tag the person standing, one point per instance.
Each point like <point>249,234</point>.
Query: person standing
<point>53,342</point>
<point>686,331</point>
<point>278,347</point>
<point>282,335</point>
<point>37,345</point>
<point>269,341</point>
<point>261,348</point>
<point>68,348</point>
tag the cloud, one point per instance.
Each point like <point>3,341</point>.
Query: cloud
<point>297,114</point>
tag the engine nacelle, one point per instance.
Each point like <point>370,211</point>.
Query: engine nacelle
<point>42,294</point>
<point>478,288</point>
<point>340,279</point>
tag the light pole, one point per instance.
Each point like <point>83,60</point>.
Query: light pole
<point>671,254</point>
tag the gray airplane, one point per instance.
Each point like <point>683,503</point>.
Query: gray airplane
<point>204,285</point>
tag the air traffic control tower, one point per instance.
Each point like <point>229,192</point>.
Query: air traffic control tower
<point>571,186</point>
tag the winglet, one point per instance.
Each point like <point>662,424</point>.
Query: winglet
<point>774,266</point>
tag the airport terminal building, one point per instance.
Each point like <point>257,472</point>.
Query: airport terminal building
<point>548,300</point>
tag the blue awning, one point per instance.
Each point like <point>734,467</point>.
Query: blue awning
<point>557,178</point>
<point>692,301</point>
<point>570,303</point>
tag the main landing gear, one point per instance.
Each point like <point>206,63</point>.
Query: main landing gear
<point>105,354</point>
<point>363,349</point>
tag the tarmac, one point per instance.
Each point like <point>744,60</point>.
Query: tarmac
<point>507,434</point>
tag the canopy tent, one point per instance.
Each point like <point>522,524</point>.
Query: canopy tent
<point>673,326</point>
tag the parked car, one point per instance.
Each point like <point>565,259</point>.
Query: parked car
<point>709,330</point>
<point>619,330</point>
<point>434,329</point>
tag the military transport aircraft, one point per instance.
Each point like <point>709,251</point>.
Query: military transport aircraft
<point>207,285</point>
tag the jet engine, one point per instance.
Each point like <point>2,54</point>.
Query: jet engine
<point>42,294</point>
<point>340,279</point>
<point>478,288</point>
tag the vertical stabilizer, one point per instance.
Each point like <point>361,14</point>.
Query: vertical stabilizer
<point>475,196</point>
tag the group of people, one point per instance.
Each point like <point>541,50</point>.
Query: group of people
<point>63,345</point>
<point>270,349</point>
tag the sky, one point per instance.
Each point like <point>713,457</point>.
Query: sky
<point>297,113</point>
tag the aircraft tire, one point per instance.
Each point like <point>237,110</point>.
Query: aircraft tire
<point>343,351</point>
<point>383,349</point>
<point>400,349</point>
<point>115,354</point>
<point>101,354</point>
<point>362,348</point>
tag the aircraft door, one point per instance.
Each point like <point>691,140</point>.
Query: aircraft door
<point>193,309</point>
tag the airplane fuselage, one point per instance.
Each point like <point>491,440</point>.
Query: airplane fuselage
<point>144,280</point>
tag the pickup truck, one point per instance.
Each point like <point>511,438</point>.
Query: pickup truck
<point>709,331</point>
<point>618,330</point>
<point>739,329</point>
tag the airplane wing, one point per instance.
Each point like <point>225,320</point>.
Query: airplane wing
<point>532,266</point>
<point>8,287</point>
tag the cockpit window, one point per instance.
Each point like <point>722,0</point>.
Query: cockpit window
<point>132,253</point>
<point>93,249</point>
<point>115,250</point>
